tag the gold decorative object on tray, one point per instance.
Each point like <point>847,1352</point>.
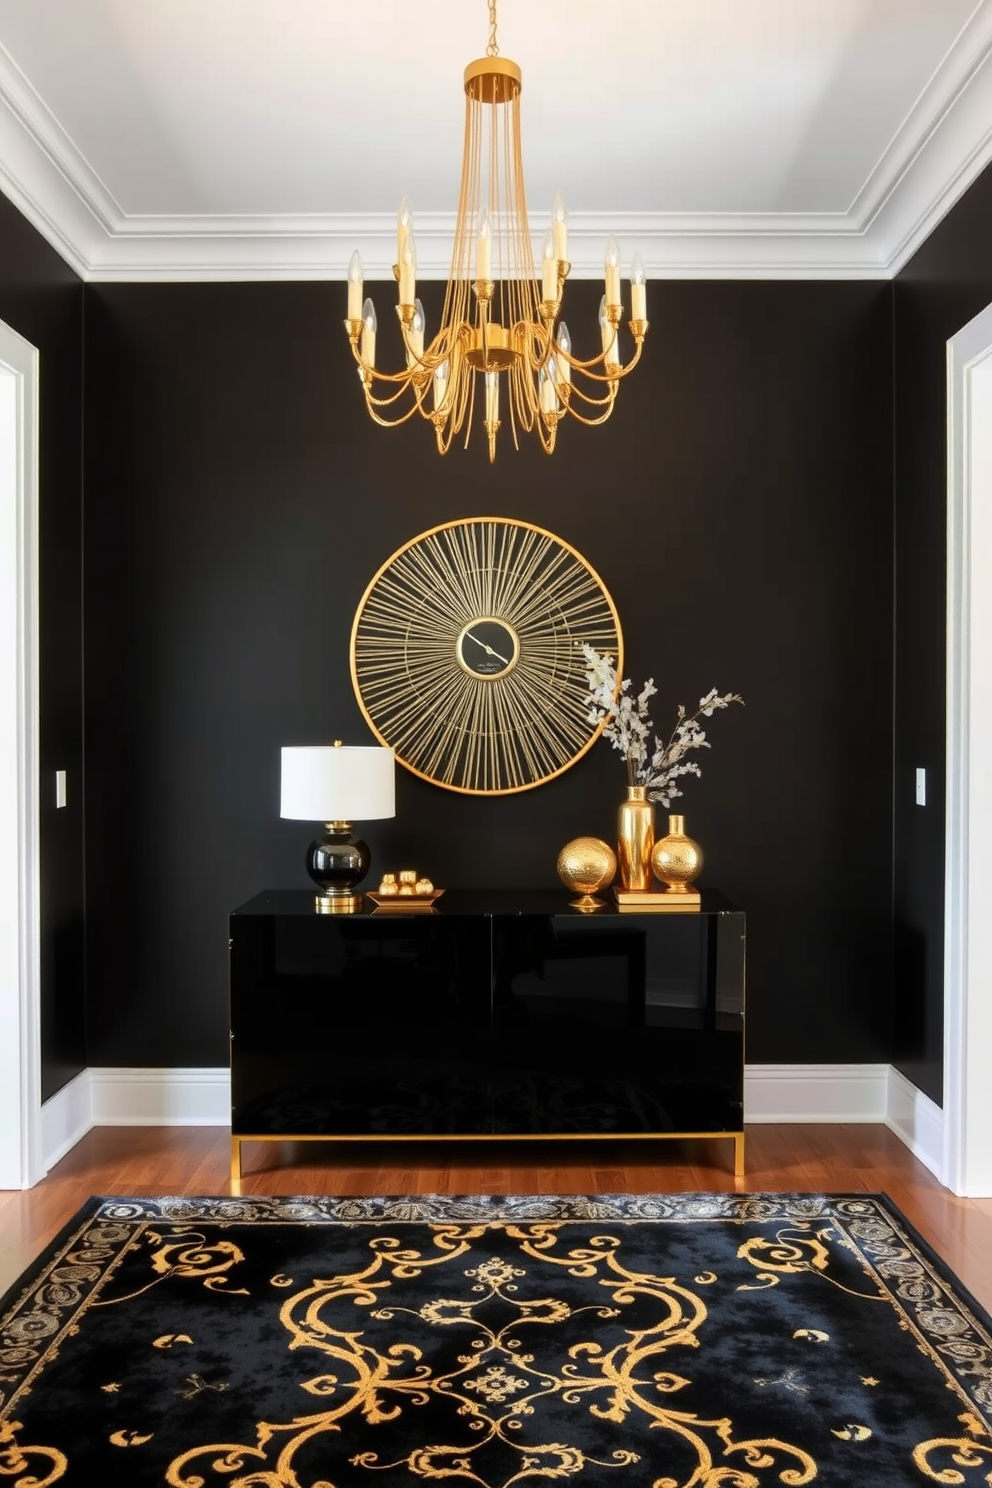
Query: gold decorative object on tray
<point>403,904</point>
<point>405,890</point>
<point>584,865</point>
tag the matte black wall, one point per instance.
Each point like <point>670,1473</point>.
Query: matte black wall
<point>944,286</point>
<point>738,507</point>
<point>42,299</point>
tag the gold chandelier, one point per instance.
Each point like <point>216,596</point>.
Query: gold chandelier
<point>498,317</point>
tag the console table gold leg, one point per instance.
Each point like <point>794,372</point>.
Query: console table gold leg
<point>235,1165</point>
<point>739,1155</point>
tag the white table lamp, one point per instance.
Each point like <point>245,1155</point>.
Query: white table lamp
<point>337,785</point>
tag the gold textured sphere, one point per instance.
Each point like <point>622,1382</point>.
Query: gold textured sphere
<point>586,864</point>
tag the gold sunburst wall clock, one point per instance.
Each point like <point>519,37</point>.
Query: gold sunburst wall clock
<point>466,654</point>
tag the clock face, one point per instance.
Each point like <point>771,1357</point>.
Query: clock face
<point>488,647</point>
<point>466,654</point>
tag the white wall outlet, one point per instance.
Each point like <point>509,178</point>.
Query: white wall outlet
<point>921,786</point>
<point>59,788</point>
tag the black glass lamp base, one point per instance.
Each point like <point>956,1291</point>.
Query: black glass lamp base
<point>337,862</point>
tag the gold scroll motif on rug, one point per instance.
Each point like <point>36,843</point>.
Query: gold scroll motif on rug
<point>499,1381</point>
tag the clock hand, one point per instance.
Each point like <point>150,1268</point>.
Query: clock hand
<point>488,649</point>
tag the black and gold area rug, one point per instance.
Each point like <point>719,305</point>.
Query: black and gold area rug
<point>687,1341</point>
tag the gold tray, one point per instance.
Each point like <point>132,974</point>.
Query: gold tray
<point>658,901</point>
<point>406,903</point>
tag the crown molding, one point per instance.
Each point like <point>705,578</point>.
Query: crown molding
<point>941,147</point>
<point>47,178</point>
<point>319,248</point>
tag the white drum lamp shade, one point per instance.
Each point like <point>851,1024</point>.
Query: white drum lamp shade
<point>338,783</point>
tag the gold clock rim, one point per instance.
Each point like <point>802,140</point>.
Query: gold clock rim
<point>419,537</point>
<point>488,620</point>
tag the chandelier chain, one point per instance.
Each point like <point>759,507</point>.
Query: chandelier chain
<point>492,50</point>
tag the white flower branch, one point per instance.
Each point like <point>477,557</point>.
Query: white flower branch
<point>628,727</point>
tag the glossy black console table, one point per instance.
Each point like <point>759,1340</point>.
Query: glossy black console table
<point>493,1015</point>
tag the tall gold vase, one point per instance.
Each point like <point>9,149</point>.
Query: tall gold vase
<point>635,839</point>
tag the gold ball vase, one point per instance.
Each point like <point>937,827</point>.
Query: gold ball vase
<point>677,861</point>
<point>584,865</point>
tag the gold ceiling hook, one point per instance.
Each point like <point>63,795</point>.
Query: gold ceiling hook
<point>492,50</point>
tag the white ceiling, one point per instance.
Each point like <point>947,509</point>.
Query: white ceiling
<point>205,139</point>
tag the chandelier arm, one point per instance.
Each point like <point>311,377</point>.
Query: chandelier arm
<point>469,398</point>
<point>370,374</point>
<point>440,348</point>
<point>616,369</point>
<point>388,423</point>
<point>531,332</point>
<point>587,367</point>
<point>546,433</point>
<point>606,404</point>
<point>452,406</point>
<point>443,443</point>
<point>522,394</point>
<point>577,391</point>
<point>629,366</point>
<point>407,384</point>
<point>420,384</point>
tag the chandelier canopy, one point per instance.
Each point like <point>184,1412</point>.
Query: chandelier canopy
<point>499,317</point>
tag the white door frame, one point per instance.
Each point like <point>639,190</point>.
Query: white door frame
<point>968,863</point>
<point>21,1158</point>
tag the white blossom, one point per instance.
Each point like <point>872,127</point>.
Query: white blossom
<point>628,727</point>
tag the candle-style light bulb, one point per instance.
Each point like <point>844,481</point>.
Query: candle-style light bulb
<point>404,226</point>
<point>441,375</point>
<point>559,226</point>
<point>549,269</point>
<point>607,334</point>
<point>565,348</point>
<point>484,247</point>
<point>416,334</point>
<point>408,271</point>
<point>369,327</point>
<point>612,271</point>
<point>547,388</point>
<point>356,282</point>
<point>638,291</point>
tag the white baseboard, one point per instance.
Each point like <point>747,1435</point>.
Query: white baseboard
<point>843,1093</point>
<point>161,1097</point>
<point>917,1121</point>
<point>65,1119</point>
<point>848,1093</point>
<point>815,1092</point>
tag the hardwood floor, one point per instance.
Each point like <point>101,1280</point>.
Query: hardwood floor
<point>196,1160</point>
